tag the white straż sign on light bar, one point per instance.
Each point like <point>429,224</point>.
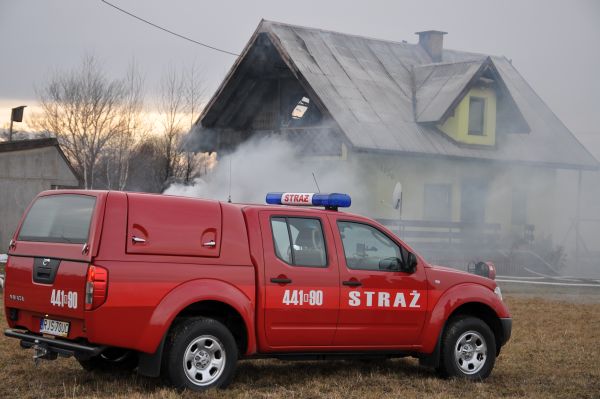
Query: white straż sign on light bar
<point>297,199</point>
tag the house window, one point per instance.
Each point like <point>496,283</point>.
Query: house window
<point>298,110</point>
<point>301,108</point>
<point>473,198</point>
<point>476,116</point>
<point>519,207</point>
<point>437,202</point>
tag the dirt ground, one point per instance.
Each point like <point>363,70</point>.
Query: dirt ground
<point>554,352</point>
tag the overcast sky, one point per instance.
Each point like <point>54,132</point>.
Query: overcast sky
<point>555,45</point>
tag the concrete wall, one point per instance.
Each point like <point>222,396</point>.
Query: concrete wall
<point>23,174</point>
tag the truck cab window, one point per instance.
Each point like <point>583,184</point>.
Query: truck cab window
<point>299,241</point>
<point>365,246</point>
<point>281,239</point>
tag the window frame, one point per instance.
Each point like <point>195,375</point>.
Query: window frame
<point>293,264</point>
<point>403,251</point>
<point>483,101</point>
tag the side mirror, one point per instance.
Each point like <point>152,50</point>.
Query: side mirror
<point>483,269</point>
<point>411,263</point>
<point>390,264</point>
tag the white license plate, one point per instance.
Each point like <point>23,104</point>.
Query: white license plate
<point>54,327</point>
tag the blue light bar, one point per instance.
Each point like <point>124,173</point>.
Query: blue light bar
<point>329,201</point>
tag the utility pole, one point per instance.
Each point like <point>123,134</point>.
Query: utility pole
<point>16,115</point>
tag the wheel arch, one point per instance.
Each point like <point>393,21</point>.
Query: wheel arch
<point>205,298</point>
<point>475,309</point>
<point>222,312</point>
<point>463,299</point>
<point>483,312</point>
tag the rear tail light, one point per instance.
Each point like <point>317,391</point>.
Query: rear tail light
<point>96,287</point>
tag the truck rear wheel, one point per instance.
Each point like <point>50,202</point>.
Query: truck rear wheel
<point>201,353</point>
<point>468,349</point>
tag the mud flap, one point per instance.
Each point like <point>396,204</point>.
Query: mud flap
<point>149,363</point>
<point>432,360</point>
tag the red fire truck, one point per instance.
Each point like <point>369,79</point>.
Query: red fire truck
<point>185,287</point>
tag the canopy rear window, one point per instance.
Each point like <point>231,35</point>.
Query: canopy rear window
<point>59,218</point>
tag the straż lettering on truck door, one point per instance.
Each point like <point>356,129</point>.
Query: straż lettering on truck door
<point>384,299</point>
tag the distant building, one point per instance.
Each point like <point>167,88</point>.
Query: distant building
<point>475,149</point>
<point>28,167</point>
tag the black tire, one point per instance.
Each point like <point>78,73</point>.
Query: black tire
<point>213,352</point>
<point>468,349</point>
<point>112,360</point>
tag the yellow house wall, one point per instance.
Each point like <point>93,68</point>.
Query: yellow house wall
<point>457,126</point>
<point>382,172</point>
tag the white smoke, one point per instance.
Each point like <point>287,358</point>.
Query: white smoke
<point>268,164</point>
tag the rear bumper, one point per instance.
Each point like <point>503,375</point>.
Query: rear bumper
<point>62,347</point>
<point>506,324</point>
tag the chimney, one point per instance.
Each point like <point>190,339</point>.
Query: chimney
<point>433,42</point>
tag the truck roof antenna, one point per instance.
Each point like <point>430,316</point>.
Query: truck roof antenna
<point>229,196</point>
<point>316,184</point>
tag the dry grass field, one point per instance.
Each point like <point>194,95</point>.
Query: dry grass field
<point>554,352</point>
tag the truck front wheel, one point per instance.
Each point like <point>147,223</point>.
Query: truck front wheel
<point>468,349</point>
<point>201,353</point>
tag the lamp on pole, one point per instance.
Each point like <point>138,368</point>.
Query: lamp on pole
<point>16,115</point>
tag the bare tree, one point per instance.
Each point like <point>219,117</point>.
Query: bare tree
<point>194,165</point>
<point>131,131</point>
<point>160,159</point>
<point>172,108</point>
<point>194,90</point>
<point>82,108</point>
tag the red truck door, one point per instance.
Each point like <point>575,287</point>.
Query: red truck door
<point>379,307</point>
<point>301,280</point>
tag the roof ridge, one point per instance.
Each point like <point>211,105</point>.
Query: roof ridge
<point>402,42</point>
<point>28,144</point>
<point>435,64</point>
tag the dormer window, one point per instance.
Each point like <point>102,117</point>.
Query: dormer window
<point>473,120</point>
<point>476,116</point>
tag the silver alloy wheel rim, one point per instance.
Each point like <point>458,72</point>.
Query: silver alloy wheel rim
<point>204,360</point>
<point>470,352</point>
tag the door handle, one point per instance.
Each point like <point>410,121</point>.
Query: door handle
<point>352,283</point>
<point>137,240</point>
<point>210,244</point>
<point>279,280</point>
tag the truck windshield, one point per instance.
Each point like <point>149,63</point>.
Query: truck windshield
<point>59,218</point>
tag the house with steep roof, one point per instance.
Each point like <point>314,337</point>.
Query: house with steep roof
<point>475,149</point>
<point>28,167</point>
